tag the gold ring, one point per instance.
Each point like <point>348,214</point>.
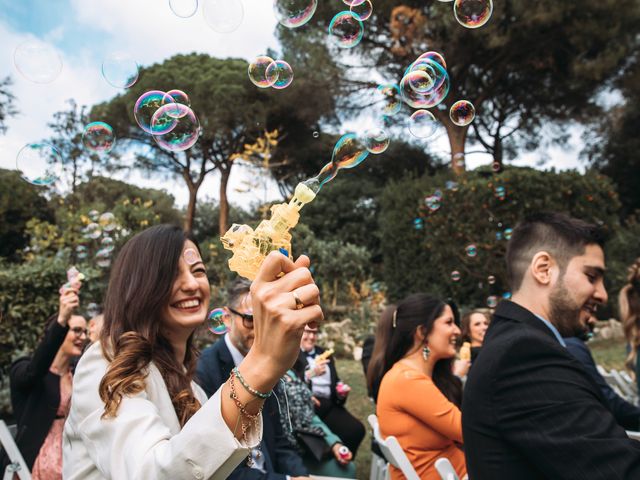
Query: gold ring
<point>299,303</point>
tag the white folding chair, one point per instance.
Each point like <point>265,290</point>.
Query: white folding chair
<point>633,435</point>
<point>611,381</point>
<point>445,469</point>
<point>392,451</point>
<point>378,464</point>
<point>17,466</point>
<point>628,392</point>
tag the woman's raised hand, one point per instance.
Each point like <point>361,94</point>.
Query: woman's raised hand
<point>69,301</point>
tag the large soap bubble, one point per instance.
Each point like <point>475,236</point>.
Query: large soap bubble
<point>39,164</point>
<point>346,29</point>
<point>37,61</point>
<point>120,70</point>
<point>184,8</point>
<point>376,140</point>
<point>472,13</point>
<point>294,13</point>
<point>462,113</point>
<point>223,16</point>
<point>348,152</point>
<point>363,10</point>
<point>146,105</point>
<point>258,72</point>
<point>282,72</point>
<point>422,124</point>
<point>175,97</point>
<point>186,129</point>
<point>98,137</point>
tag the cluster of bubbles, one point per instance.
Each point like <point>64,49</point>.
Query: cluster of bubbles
<point>100,228</point>
<point>265,72</point>
<point>168,117</point>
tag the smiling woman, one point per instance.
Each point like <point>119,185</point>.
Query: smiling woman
<point>138,414</point>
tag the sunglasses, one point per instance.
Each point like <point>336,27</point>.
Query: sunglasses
<point>78,331</point>
<point>247,318</point>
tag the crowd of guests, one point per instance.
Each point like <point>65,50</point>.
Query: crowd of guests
<point>127,395</point>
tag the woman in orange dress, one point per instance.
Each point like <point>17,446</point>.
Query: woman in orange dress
<point>419,399</point>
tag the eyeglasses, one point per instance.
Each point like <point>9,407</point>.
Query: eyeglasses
<point>311,332</point>
<point>78,331</point>
<point>247,318</point>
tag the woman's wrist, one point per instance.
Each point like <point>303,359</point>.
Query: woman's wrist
<point>259,373</point>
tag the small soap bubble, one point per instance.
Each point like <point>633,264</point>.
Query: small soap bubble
<point>418,223</point>
<point>492,301</point>
<point>223,16</point>
<point>352,3</point>
<point>491,279</point>
<point>294,13</point>
<point>455,276</point>
<point>92,231</point>
<point>420,81</point>
<point>81,252</point>
<point>282,72</point>
<point>438,193</point>
<point>433,202</point>
<point>98,137</point>
<point>215,322</point>
<point>258,72</point>
<point>508,232</point>
<point>422,124</point>
<point>184,8</point>
<point>499,236</point>
<point>103,258</point>
<point>472,13</point>
<point>93,310</point>
<point>458,159</point>
<point>316,134</point>
<point>471,250</point>
<point>506,295</point>
<point>107,244</point>
<point>362,10</point>
<point>37,61</point>
<point>346,29</point>
<point>120,70</point>
<point>107,221</point>
<point>146,106</point>
<point>496,167</point>
<point>178,97</point>
<point>390,96</point>
<point>499,192</point>
<point>462,113</point>
<point>191,256</point>
<point>39,164</point>
<point>93,215</point>
<point>185,132</point>
<point>451,185</point>
<point>376,140</point>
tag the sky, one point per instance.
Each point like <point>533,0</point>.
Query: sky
<point>84,32</point>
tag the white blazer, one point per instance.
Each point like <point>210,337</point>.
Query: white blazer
<point>144,440</point>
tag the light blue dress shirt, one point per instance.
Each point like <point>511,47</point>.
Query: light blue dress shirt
<point>553,329</point>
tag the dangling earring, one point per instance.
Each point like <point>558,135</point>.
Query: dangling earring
<point>425,353</point>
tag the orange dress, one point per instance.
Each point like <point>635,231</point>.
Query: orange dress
<point>411,408</point>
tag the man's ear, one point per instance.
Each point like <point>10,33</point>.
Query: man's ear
<point>542,268</point>
<point>226,318</point>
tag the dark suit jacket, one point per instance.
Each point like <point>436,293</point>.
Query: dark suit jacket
<point>302,364</point>
<point>626,414</point>
<point>35,393</point>
<point>531,410</point>
<point>214,367</point>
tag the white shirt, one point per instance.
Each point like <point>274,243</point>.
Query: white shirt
<point>320,384</point>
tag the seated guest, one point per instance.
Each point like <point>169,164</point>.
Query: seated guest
<point>275,458</point>
<point>41,388</point>
<point>419,398</point>
<point>629,305</point>
<point>626,414</point>
<point>375,367</point>
<point>325,384</point>
<point>321,449</point>
<point>474,326</point>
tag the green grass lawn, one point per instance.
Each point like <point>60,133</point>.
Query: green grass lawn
<point>608,353</point>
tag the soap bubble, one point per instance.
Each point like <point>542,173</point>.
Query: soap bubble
<point>92,231</point>
<point>390,93</point>
<point>283,73</point>
<point>508,232</point>
<point>451,185</point>
<point>352,3</point>
<point>492,301</point>
<point>499,236</point>
<point>362,10</point>
<point>120,70</point>
<point>472,13</point>
<point>432,202</point>
<point>185,132</point>
<point>107,244</point>
<point>462,113</point>
<point>491,279</point>
<point>433,56</point>
<point>108,221</point>
<point>39,164</point>
<point>223,16</point>
<point>346,29</point>
<point>376,140</point>
<point>184,8</point>
<point>146,105</point>
<point>422,124</point>
<point>471,250</point>
<point>432,97</point>
<point>438,194</point>
<point>496,167</point>
<point>506,295</point>
<point>418,223</point>
<point>93,215</point>
<point>98,137</point>
<point>103,258</point>
<point>294,13</point>
<point>176,96</point>
<point>455,276</point>
<point>215,322</point>
<point>37,61</point>
<point>81,252</point>
<point>316,134</point>
<point>499,192</point>
<point>420,81</point>
<point>348,152</point>
<point>258,72</point>
<point>93,310</point>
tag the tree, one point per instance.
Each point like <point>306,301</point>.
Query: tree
<point>7,103</point>
<point>531,64</point>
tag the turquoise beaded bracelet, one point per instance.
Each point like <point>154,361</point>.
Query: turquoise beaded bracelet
<point>246,386</point>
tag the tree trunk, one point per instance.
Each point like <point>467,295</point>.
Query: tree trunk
<point>191,208</point>
<point>457,139</point>
<point>335,293</point>
<point>224,204</point>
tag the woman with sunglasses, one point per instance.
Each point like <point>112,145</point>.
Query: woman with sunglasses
<point>41,387</point>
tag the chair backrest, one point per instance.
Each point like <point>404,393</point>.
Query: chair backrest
<point>17,466</point>
<point>623,384</point>
<point>392,451</point>
<point>445,469</point>
<point>633,435</point>
<point>611,380</point>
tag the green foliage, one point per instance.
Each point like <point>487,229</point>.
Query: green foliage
<point>423,259</point>
<point>7,103</point>
<point>19,202</point>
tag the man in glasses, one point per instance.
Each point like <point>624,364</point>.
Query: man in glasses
<point>275,458</point>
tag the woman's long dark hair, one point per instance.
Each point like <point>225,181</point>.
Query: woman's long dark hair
<point>375,369</point>
<point>139,289</point>
<point>420,310</point>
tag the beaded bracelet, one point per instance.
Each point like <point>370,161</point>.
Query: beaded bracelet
<point>248,388</point>
<point>252,417</point>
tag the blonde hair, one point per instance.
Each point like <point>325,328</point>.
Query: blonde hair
<point>629,304</point>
